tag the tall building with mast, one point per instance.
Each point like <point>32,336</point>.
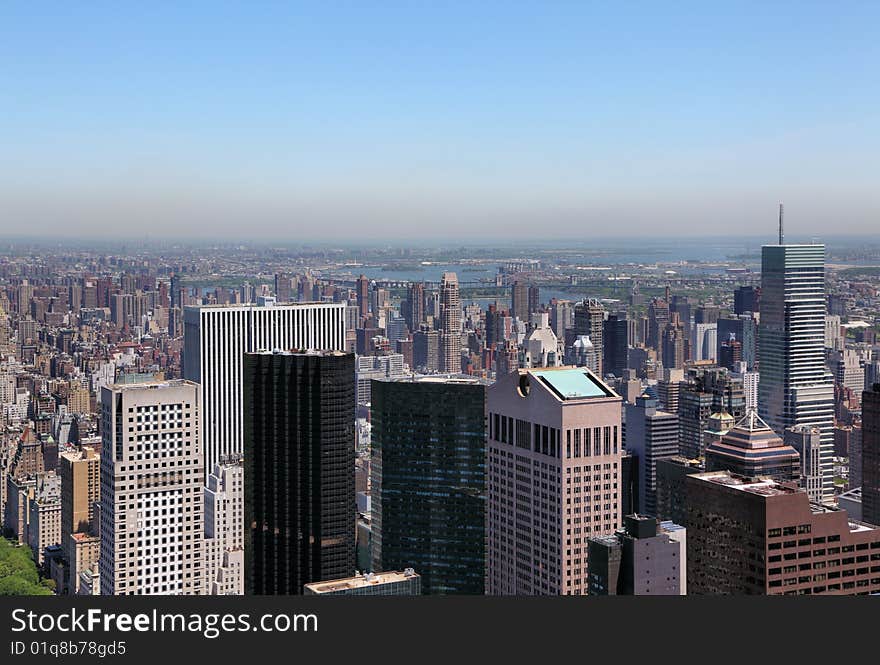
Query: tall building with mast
<point>795,387</point>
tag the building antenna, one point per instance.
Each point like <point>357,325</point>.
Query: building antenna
<point>781,234</point>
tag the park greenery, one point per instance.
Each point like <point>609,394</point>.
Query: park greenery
<point>18,572</point>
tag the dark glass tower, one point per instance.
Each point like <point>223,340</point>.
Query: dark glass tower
<point>615,342</point>
<point>429,481</point>
<point>299,414</point>
<point>870,480</point>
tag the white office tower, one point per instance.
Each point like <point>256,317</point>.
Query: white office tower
<point>807,441</point>
<point>704,341</point>
<point>848,370</point>
<point>833,334</point>
<point>541,346</point>
<point>795,388</point>
<point>216,337</point>
<point>224,529</point>
<point>750,384</point>
<point>368,368</point>
<point>151,490</point>
<point>582,353</point>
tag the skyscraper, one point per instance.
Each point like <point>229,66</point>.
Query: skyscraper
<point>519,301</point>
<point>152,480</point>
<point>730,354</point>
<point>215,341</point>
<point>224,529</point>
<point>704,341</point>
<point>651,435</point>
<point>553,470</point>
<point>615,344</point>
<point>282,288</point>
<point>871,455</point>
<point>658,317</point>
<point>674,344</point>
<point>450,324</point>
<point>428,467</point>
<point>415,309</point>
<point>745,330</point>
<point>299,469</point>
<point>711,391</point>
<point>589,319</point>
<point>426,350</point>
<point>707,314</point>
<point>747,299</point>
<point>807,441</point>
<point>363,296</point>
<point>534,300</point>
<point>795,388</point>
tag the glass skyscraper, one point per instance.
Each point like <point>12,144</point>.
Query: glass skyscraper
<point>428,471</point>
<point>795,388</point>
<point>298,469</point>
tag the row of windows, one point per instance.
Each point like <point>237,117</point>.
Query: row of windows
<point>546,440</point>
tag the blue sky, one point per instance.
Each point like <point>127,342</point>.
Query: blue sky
<point>427,119</point>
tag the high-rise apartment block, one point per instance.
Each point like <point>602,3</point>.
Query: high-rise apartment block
<point>151,490</point>
<point>589,319</point>
<point>298,469</point>
<point>80,473</point>
<point>415,305</point>
<point>554,476</point>
<point>519,303</point>
<point>450,324</point>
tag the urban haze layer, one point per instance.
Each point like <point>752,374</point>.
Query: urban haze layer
<point>664,417</point>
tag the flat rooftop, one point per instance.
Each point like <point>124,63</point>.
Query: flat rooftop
<point>253,305</point>
<point>361,581</point>
<point>762,486</point>
<point>153,384</point>
<point>769,487</point>
<point>572,383</point>
<point>437,378</point>
<point>298,352</point>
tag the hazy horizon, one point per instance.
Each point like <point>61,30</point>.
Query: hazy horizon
<point>460,122</point>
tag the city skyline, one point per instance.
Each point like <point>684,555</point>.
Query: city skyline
<point>398,299</point>
<point>579,121</point>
